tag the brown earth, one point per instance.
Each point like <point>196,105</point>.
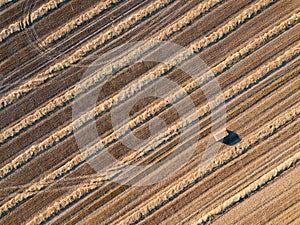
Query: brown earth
<point>265,116</point>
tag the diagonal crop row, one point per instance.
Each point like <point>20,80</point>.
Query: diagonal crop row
<point>168,193</point>
<point>152,205</point>
<point>259,41</point>
<point>70,95</point>
<point>67,28</point>
<point>253,187</point>
<point>70,165</point>
<point>124,25</point>
<point>91,46</point>
<point>31,18</point>
<point>5,2</point>
<point>84,191</point>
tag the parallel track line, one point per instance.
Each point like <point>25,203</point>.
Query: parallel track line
<point>5,2</point>
<point>34,150</point>
<point>83,191</point>
<point>253,187</point>
<point>30,19</point>
<point>93,45</point>
<point>60,101</point>
<point>159,199</point>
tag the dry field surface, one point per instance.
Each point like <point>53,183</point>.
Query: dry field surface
<point>252,48</point>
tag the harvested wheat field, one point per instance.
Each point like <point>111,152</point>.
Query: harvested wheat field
<point>150,112</point>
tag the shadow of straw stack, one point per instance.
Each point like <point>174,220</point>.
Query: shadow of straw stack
<point>227,137</point>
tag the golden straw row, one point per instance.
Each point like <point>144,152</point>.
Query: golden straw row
<point>168,193</point>
<point>257,42</point>
<point>78,21</point>
<point>30,19</point>
<point>31,191</point>
<point>262,181</point>
<point>91,46</point>
<point>4,2</point>
<point>54,139</point>
<point>70,95</point>
<point>151,205</point>
<point>73,163</point>
<point>111,33</point>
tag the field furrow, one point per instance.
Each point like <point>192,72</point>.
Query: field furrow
<point>102,108</point>
<point>80,192</point>
<point>30,19</point>
<point>281,58</point>
<point>150,149</point>
<point>79,54</point>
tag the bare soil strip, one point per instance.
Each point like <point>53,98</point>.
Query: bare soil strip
<point>5,2</point>
<point>58,103</point>
<point>287,214</point>
<point>52,177</point>
<point>167,194</point>
<point>250,189</point>
<point>30,19</point>
<point>147,113</point>
<point>136,18</point>
<point>156,191</point>
<point>78,191</point>
<point>242,181</point>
